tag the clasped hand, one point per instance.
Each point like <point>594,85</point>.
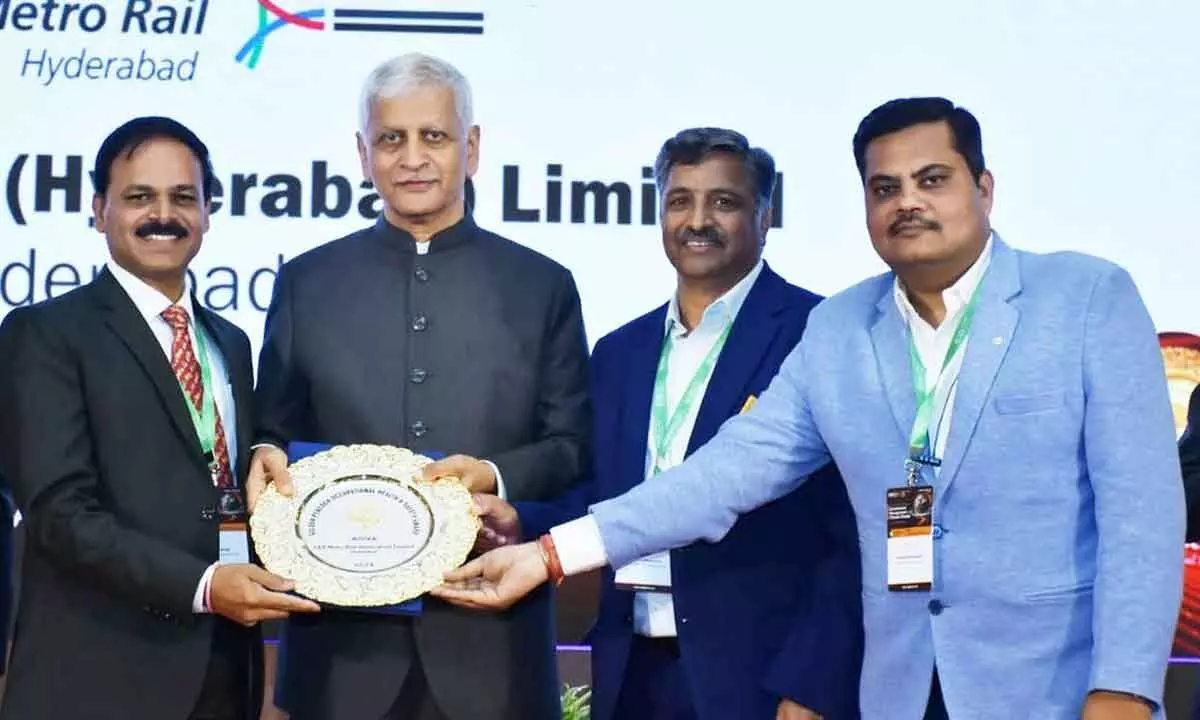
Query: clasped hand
<point>507,571</point>
<point>247,594</point>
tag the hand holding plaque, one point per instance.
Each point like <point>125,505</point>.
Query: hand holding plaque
<point>362,529</point>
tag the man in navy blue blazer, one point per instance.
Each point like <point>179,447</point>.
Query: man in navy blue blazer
<point>767,622</point>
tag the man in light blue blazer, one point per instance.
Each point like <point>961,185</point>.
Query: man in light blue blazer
<point>1002,424</point>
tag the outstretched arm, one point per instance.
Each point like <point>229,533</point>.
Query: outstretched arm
<point>755,458</point>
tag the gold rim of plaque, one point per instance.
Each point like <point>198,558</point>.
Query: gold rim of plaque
<point>443,519</point>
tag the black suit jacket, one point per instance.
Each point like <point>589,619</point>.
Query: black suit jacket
<point>7,543</point>
<point>1189,460</point>
<point>477,347</point>
<point>118,509</point>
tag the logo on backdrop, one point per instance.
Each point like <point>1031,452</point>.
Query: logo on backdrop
<point>167,27</point>
<point>159,40</point>
<point>272,18</point>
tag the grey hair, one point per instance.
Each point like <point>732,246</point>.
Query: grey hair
<point>406,73</point>
<point>693,145</point>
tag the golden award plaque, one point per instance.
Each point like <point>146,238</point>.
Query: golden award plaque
<point>362,529</point>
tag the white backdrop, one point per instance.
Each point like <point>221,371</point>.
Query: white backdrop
<point>1088,109</point>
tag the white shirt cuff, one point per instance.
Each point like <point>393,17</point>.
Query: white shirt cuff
<point>198,605</point>
<point>501,492</point>
<point>579,545</point>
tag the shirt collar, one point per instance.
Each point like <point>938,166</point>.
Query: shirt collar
<point>723,309</point>
<point>956,296</point>
<point>149,302</point>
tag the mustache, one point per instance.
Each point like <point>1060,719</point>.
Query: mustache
<point>157,227</point>
<point>709,234</point>
<point>906,219</point>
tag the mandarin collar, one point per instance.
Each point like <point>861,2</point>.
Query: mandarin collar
<point>454,236</point>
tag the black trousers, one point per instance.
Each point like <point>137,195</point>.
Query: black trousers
<point>415,702</point>
<point>225,694</point>
<point>936,708</point>
<point>654,686</point>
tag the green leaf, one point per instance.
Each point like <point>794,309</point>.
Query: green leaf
<point>576,702</point>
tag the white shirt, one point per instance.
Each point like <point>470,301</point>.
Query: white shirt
<point>578,543</point>
<point>150,303</point>
<point>933,343</point>
<point>654,612</point>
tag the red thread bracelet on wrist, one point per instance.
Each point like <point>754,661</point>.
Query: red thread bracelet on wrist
<point>550,557</point>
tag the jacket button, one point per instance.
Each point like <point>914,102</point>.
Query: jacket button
<point>418,429</point>
<point>937,531</point>
<point>936,607</point>
<point>421,274</point>
<point>419,323</point>
<point>417,376</point>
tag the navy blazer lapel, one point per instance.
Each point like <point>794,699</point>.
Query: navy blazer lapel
<point>123,318</point>
<point>991,335</point>
<point>754,331</point>
<point>889,337</point>
<point>639,365</point>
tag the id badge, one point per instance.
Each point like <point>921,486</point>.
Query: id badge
<point>910,538</point>
<point>234,529</point>
<point>650,574</point>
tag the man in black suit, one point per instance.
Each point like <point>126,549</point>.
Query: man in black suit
<point>1189,461</point>
<point>125,420</point>
<point>8,539</point>
<point>1189,464</point>
<point>427,332</point>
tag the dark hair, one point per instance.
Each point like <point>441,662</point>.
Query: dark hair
<point>896,115</point>
<point>135,133</point>
<point>694,145</point>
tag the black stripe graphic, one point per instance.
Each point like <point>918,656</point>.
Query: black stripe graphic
<point>381,27</point>
<point>409,15</point>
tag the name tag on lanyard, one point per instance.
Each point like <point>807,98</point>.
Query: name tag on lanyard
<point>653,573</point>
<point>910,538</point>
<point>234,528</point>
<point>910,527</point>
<point>233,533</point>
<point>650,574</point>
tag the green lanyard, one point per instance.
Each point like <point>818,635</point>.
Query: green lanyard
<point>205,421</point>
<point>918,440</point>
<point>665,430</point>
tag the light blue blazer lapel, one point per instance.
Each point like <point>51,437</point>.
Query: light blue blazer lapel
<point>889,338</point>
<point>991,335</point>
